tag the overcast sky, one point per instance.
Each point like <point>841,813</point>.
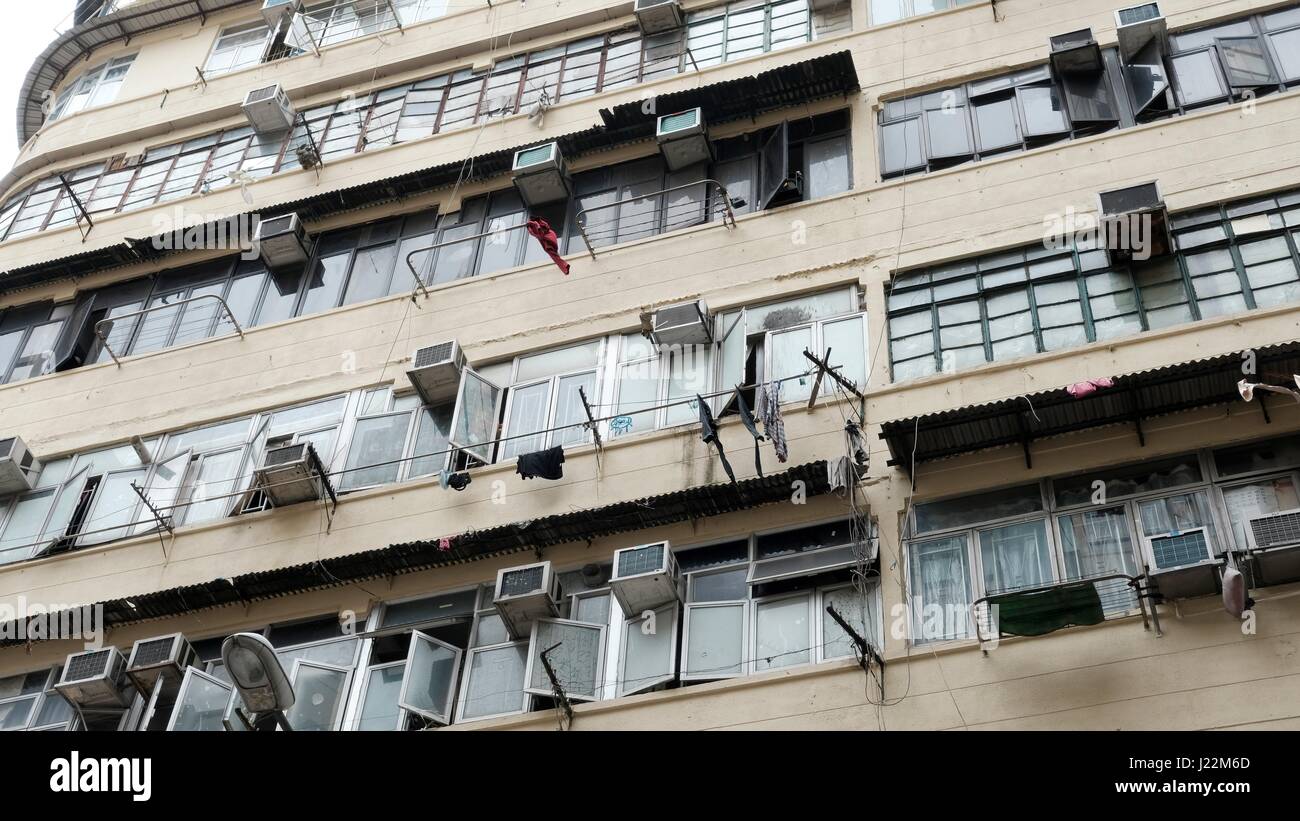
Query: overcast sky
<point>28,28</point>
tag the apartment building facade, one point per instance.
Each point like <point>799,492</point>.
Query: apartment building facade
<point>656,365</point>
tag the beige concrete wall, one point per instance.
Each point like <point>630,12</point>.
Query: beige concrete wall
<point>1202,673</point>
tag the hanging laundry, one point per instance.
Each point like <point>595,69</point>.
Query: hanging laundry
<point>853,435</point>
<point>747,419</point>
<point>769,411</point>
<point>709,433</point>
<point>444,544</point>
<point>458,481</point>
<point>542,464</point>
<point>545,236</point>
<point>1247,389</point>
<point>1089,386</point>
<point>444,478</point>
<point>838,472</point>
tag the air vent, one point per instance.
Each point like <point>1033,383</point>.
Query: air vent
<point>268,110</point>
<point>1138,26</point>
<point>645,578</point>
<point>161,657</point>
<point>1176,550</point>
<point>684,323</point>
<point>282,242</point>
<point>291,474</point>
<point>436,371</point>
<point>18,468</point>
<point>94,679</point>
<point>524,594</point>
<point>1276,529</point>
<point>654,16</point>
<point>1076,52</point>
<point>682,139</point>
<point>540,174</point>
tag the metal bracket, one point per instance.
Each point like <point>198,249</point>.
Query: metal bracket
<point>728,215</point>
<point>99,326</point>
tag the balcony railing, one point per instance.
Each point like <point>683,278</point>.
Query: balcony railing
<point>1037,611</point>
<point>104,326</point>
<point>646,215</point>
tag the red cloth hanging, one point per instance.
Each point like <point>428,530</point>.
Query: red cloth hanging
<point>541,229</point>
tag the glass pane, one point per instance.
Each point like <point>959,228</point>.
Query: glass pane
<point>324,284</point>
<point>431,438</point>
<point>371,272</point>
<point>431,672</point>
<point>592,609</point>
<point>379,710</point>
<point>1286,44</point>
<point>649,651</point>
<point>528,410</point>
<point>998,127</point>
<point>490,629</point>
<point>576,660</point>
<point>496,682</point>
<point>37,356</point>
<point>14,714</point>
<point>788,360</point>
<point>1043,110</point>
<point>218,474</point>
<point>725,585</point>
<point>781,633</point>
<point>562,360</point>
<point>856,608</point>
<point>318,698</point>
<point>569,412</point>
<point>1246,62</point>
<point>22,530</point>
<point>1015,556</point>
<point>475,421</point>
<point>848,345</point>
<point>948,132</point>
<point>716,641</point>
<point>1197,77</point>
<point>1096,543</point>
<point>114,507</point>
<point>939,573</point>
<point>967,510</point>
<point>54,710</point>
<point>638,387</point>
<point>828,167</point>
<point>377,444</point>
<point>901,146</point>
<point>201,705</point>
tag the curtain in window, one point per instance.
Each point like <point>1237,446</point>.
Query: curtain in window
<point>939,585</point>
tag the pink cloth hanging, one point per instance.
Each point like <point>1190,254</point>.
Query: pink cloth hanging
<point>1090,386</point>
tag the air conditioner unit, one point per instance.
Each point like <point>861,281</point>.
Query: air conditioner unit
<point>1275,529</point>
<point>274,11</point>
<point>684,323</point>
<point>526,593</point>
<point>1134,217</point>
<point>645,577</point>
<point>94,679</point>
<point>654,16</point>
<point>1136,26</point>
<point>18,468</point>
<point>540,174</point>
<point>268,110</point>
<point>291,474</point>
<point>1180,549</point>
<point>682,139</point>
<point>1075,53</point>
<point>435,371</point>
<point>159,656</point>
<point>282,241</point>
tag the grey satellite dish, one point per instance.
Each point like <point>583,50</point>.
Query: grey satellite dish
<point>257,673</point>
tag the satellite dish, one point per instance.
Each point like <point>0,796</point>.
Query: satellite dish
<point>256,672</point>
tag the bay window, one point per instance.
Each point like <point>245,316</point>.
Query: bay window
<point>95,87</point>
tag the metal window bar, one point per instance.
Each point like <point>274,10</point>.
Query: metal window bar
<point>107,322</point>
<point>431,250</point>
<point>981,612</point>
<point>661,219</point>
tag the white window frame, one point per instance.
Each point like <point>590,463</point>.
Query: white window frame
<point>336,720</point>
<point>95,77</point>
<point>235,31</point>
<point>670,612</point>
<point>551,437</point>
<point>458,655</point>
<point>877,618</point>
<point>400,723</point>
<point>809,597</point>
<point>192,673</point>
<point>467,667</point>
<point>534,659</point>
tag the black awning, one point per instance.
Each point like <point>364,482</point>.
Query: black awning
<point>787,85</point>
<point>1133,398</point>
<point>698,502</point>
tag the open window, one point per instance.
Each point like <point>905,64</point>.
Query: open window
<point>164,487</point>
<point>1246,62</point>
<point>774,160</point>
<point>648,657</point>
<point>201,703</point>
<point>494,681</point>
<point>1148,80</point>
<point>576,654</point>
<point>320,691</point>
<point>474,420</point>
<point>429,678</point>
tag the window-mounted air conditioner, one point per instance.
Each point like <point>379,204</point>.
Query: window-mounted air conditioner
<point>1275,529</point>
<point>1136,26</point>
<point>1076,52</point>
<point>645,577</point>
<point>274,11</point>
<point>683,323</point>
<point>435,371</point>
<point>683,140</point>
<point>524,594</point>
<point>540,174</point>
<point>654,16</point>
<point>160,656</point>
<point>291,474</point>
<point>1135,223</point>
<point>1178,549</point>
<point>94,678</point>
<point>268,110</point>
<point>282,241</point>
<point>18,468</point>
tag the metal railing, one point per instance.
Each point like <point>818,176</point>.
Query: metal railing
<point>658,219</point>
<point>431,250</point>
<point>984,619</point>
<point>108,321</point>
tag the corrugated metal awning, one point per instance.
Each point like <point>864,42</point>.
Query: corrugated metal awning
<point>698,502</point>
<point>1134,397</point>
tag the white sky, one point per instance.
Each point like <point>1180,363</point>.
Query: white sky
<point>23,36</point>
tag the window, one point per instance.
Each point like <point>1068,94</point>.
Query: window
<point>1255,500</point>
<point>650,375</point>
<point>545,395</point>
<point>238,47</point>
<point>28,701</point>
<point>95,87</point>
<point>889,11</point>
<point>28,340</point>
<point>1230,258</point>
